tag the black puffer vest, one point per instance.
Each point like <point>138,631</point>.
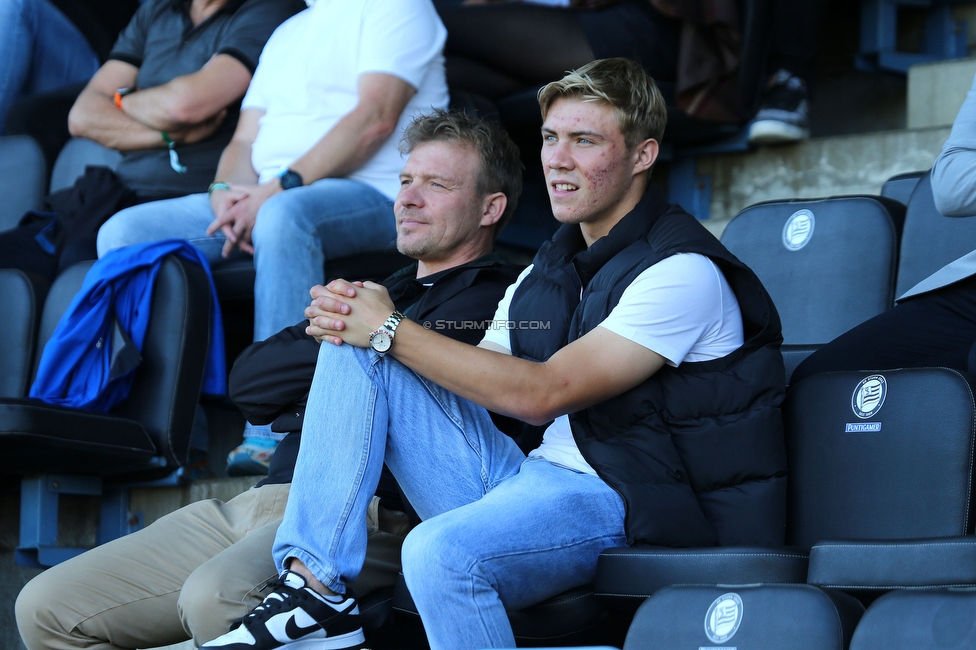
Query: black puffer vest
<point>696,451</point>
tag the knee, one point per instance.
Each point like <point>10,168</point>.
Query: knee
<point>204,608</point>
<point>114,233</point>
<point>208,606</point>
<point>431,558</point>
<point>286,226</point>
<point>276,223</point>
<point>36,611</point>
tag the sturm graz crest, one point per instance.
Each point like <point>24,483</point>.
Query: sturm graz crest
<point>798,230</point>
<point>723,618</point>
<point>869,396</point>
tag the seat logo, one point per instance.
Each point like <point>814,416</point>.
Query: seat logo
<point>869,396</point>
<point>723,618</point>
<point>798,230</point>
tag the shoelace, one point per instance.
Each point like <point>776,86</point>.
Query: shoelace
<point>269,608</point>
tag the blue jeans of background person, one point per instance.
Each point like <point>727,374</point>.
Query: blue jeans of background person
<point>40,49</point>
<point>296,232</point>
<point>498,530</point>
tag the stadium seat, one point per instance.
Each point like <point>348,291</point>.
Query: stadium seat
<point>900,186</point>
<point>897,512</point>
<point>780,617</point>
<point>829,264</point>
<point>23,296</point>
<point>77,154</point>
<point>765,617</point>
<point>58,450</point>
<point>22,175</point>
<point>885,458</point>
<point>929,239</point>
<point>919,620</point>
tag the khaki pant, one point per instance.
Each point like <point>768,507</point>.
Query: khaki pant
<point>187,575</point>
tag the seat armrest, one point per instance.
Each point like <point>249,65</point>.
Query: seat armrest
<point>893,564</point>
<point>628,575</point>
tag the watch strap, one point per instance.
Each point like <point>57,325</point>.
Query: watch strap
<point>389,327</point>
<point>393,321</point>
<point>290,179</point>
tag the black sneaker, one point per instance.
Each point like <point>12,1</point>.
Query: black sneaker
<point>784,113</point>
<point>294,616</point>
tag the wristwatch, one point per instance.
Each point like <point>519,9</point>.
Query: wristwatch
<point>289,179</point>
<point>381,339</point>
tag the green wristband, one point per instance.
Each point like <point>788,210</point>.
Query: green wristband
<point>174,158</point>
<point>217,185</point>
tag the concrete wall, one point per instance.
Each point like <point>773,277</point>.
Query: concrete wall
<point>936,91</point>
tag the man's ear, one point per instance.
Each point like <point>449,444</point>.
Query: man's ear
<point>645,155</point>
<point>492,208</point>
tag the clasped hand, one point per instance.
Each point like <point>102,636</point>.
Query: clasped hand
<point>236,211</point>
<point>347,312</point>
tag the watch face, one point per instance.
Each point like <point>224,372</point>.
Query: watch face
<point>290,179</point>
<point>381,341</point>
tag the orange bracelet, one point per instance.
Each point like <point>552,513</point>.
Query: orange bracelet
<point>118,100</point>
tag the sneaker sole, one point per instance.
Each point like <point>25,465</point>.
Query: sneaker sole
<point>776,132</point>
<point>351,641</point>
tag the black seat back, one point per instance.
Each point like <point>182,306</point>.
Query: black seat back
<point>880,455</point>
<point>59,297</point>
<point>166,386</point>
<point>930,240</point>
<point>900,186</point>
<point>919,620</point>
<point>829,264</point>
<point>22,296</point>
<point>23,173</point>
<point>77,154</point>
<point>717,617</point>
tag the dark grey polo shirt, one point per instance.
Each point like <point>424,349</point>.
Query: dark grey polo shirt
<point>163,43</point>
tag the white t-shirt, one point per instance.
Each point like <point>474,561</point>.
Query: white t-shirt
<point>307,77</point>
<point>682,308</point>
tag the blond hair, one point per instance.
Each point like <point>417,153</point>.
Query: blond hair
<point>623,85</point>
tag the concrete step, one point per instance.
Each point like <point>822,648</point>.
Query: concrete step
<point>819,167</point>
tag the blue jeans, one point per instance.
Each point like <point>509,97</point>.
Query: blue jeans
<point>40,49</point>
<point>295,234</point>
<point>499,530</point>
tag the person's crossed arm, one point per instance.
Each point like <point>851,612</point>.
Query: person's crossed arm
<point>188,108</point>
<point>591,369</point>
<point>954,171</point>
<point>346,147</point>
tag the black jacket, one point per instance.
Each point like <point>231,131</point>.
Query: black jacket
<point>270,380</point>
<point>696,451</point>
